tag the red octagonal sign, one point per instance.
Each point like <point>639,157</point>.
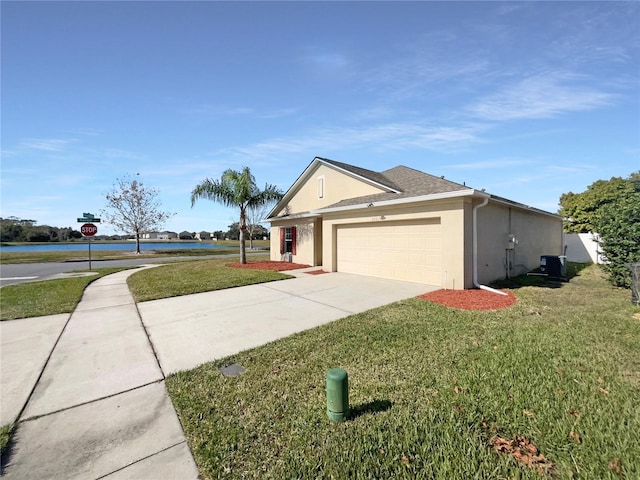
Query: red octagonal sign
<point>88,229</point>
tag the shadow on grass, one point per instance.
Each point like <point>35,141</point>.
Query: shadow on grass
<point>572,269</point>
<point>369,407</point>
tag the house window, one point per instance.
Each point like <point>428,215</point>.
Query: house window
<point>321,186</point>
<point>288,240</point>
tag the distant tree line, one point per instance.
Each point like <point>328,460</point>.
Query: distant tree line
<point>254,232</point>
<point>14,229</point>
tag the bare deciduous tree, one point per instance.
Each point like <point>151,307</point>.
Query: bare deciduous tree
<point>255,217</point>
<point>133,208</point>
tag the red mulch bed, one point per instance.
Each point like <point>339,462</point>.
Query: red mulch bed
<point>268,265</point>
<point>471,299</point>
<point>316,272</point>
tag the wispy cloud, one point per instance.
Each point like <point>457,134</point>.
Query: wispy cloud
<point>46,144</point>
<point>541,96</point>
<point>414,73</point>
<point>492,164</point>
<point>114,153</point>
<point>221,111</point>
<point>328,59</point>
<point>92,132</point>
<point>597,34</point>
<point>69,180</point>
<point>324,58</point>
<point>392,136</point>
<point>544,170</point>
<point>72,151</point>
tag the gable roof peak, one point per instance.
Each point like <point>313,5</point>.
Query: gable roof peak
<point>366,174</point>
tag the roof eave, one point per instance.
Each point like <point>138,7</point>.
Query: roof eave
<point>400,201</point>
<point>294,216</point>
<point>522,206</point>
<point>289,193</point>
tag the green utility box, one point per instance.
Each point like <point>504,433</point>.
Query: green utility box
<point>337,395</point>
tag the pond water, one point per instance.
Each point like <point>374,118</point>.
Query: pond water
<point>122,246</point>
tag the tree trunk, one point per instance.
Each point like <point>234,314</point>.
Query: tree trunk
<point>243,229</point>
<point>137,243</point>
<point>243,250</point>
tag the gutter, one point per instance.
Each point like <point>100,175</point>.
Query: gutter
<point>522,206</point>
<point>475,249</point>
<point>399,201</point>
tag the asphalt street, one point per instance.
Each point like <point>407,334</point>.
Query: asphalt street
<point>11,274</point>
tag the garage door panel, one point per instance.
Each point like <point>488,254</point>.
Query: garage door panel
<point>408,251</point>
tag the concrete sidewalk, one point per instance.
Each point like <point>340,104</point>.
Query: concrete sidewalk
<point>100,408</point>
<point>89,388</point>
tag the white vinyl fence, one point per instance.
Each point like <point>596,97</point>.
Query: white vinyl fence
<point>582,248</point>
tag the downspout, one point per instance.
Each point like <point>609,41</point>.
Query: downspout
<point>475,249</point>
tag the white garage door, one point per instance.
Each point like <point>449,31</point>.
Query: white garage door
<point>409,251</point>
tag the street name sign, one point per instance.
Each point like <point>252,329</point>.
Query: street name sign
<point>88,217</point>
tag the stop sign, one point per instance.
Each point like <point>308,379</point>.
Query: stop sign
<point>88,229</point>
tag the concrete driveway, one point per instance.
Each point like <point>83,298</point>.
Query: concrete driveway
<point>88,388</point>
<point>191,330</point>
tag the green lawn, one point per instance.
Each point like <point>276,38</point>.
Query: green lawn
<point>48,297</point>
<point>431,387</point>
<point>185,278</point>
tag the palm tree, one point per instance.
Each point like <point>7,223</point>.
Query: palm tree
<point>236,189</point>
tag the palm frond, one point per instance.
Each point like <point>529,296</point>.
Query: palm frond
<point>236,189</point>
<point>213,190</point>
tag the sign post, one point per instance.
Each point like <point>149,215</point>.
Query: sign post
<point>89,229</point>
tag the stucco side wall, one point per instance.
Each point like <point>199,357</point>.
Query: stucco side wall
<point>305,250</point>
<point>337,186</point>
<point>537,234</point>
<point>451,214</point>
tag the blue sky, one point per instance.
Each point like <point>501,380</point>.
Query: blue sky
<point>525,100</point>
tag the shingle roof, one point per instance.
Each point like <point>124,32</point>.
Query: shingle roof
<point>362,172</point>
<point>416,182</point>
<point>401,182</point>
<point>407,181</point>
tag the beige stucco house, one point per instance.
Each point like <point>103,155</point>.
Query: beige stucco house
<point>407,225</point>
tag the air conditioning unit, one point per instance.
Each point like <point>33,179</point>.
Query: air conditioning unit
<point>286,257</point>
<point>554,266</point>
